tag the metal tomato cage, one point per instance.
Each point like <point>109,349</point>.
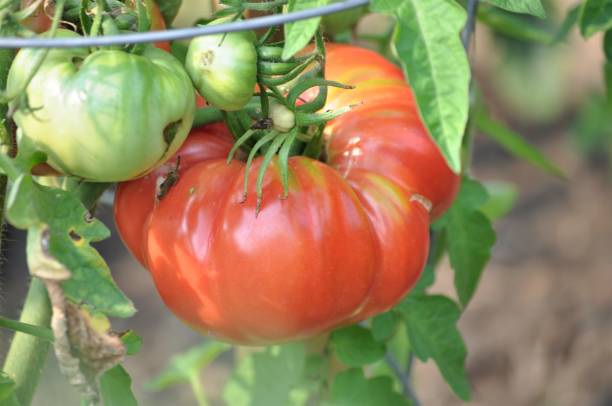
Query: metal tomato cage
<point>180,33</point>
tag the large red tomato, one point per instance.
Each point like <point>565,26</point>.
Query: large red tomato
<point>347,243</point>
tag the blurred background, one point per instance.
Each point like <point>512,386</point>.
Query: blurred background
<point>539,329</point>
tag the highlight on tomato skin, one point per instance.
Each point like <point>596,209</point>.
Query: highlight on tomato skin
<point>134,200</point>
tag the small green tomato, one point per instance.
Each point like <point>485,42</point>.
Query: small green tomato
<point>283,119</point>
<point>224,68</point>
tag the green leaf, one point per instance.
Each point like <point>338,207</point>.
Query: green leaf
<point>470,238</point>
<point>270,377</point>
<point>351,388</point>
<point>7,391</point>
<point>298,34</point>
<point>184,366</point>
<point>70,231</point>
<point>315,375</point>
<point>169,9</point>
<point>427,278</point>
<point>355,346</point>
<point>431,323</point>
<point>437,248</point>
<point>116,387</point>
<point>533,7</point>
<point>595,16</point>
<point>515,144</point>
<point>436,66</point>
<point>132,342</point>
<point>571,19</point>
<point>502,197</point>
<point>514,26</point>
<point>384,326</point>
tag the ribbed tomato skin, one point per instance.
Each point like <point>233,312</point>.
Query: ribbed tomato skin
<point>348,242</point>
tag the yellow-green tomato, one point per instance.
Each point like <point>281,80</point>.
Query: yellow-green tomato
<point>105,115</point>
<point>224,68</point>
<point>337,23</point>
<point>283,119</point>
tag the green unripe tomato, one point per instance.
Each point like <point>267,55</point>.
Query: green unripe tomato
<point>337,23</point>
<point>105,115</point>
<point>224,68</point>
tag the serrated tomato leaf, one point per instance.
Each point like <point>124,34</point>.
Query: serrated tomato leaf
<point>298,34</point>
<point>132,342</point>
<point>470,238</point>
<point>351,388</point>
<point>432,56</point>
<point>116,387</point>
<point>431,323</point>
<point>533,7</point>
<point>270,377</point>
<point>595,16</point>
<point>384,326</point>
<point>356,346</point>
<point>185,365</point>
<point>70,233</point>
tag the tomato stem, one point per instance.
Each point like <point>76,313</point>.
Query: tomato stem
<point>97,22</point>
<point>27,356</point>
<point>144,24</point>
<point>404,376</point>
<point>197,389</point>
<point>207,115</point>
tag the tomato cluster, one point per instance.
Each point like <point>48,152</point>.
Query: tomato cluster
<point>348,242</point>
<point>305,245</point>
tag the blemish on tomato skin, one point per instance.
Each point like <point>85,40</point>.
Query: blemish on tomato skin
<point>192,190</point>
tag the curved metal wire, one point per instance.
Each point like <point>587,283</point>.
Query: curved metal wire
<point>180,33</point>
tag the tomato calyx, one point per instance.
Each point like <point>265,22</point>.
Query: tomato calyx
<point>278,121</point>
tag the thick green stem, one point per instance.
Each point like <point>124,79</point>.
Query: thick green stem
<point>207,115</point>
<point>27,355</point>
<point>198,390</point>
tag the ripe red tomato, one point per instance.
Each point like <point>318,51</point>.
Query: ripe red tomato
<point>384,132</point>
<point>348,242</point>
